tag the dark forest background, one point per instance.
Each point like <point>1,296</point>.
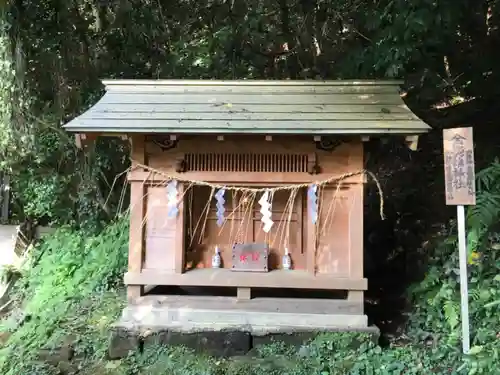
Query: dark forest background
<point>53,54</point>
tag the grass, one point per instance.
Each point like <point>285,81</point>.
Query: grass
<point>72,291</point>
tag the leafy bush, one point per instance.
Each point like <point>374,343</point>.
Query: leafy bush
<point>69,290</point>
<point>437,297</point>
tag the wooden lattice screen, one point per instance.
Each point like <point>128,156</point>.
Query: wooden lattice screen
<point>233,162</point>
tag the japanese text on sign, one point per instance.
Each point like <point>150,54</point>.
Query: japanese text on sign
<point>459,166</point>
<point>250,257</point>
<point>254,257</point>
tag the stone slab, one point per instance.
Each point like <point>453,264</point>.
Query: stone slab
<point>257,316</point>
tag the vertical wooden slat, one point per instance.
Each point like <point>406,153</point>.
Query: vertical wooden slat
<point>236,162</point>
<point>180,246</point>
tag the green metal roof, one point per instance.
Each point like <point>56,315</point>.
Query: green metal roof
<point>249,107</point>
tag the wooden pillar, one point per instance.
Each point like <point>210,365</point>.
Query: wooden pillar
<point>180,226</point>
<point>137,212</point>
<point>243,294</point>
<point>136,240</point>
<point>356,246</point>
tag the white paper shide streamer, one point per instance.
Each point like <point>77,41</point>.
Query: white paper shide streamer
<point>265,210</point>
<point>172,198</point>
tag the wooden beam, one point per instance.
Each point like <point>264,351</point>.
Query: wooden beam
<point>294,279</point>
<point>235,178</point>
<point>83,140</point>
<point>138,146</point>
<point>412,142</point>
<point>78,141</point>
<point>243,294</point>
<point>355,296</point>
<point>265,305</point>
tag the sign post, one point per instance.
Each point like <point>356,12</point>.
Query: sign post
<point>460,191</point>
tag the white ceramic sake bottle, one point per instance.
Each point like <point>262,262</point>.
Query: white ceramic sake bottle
<point>286,261</point>
<point>216,258</point>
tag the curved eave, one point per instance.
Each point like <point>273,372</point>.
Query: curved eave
<point>250,107</point>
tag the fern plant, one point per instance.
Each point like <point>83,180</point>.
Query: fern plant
<point>485,214</point>
<point>437,297</point>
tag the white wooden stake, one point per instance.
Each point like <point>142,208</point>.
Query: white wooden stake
<point>464,290</point>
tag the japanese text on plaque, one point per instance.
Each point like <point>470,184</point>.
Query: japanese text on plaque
<point>459,166</point>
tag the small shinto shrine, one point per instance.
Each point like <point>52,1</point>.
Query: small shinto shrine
<point>244,188</point>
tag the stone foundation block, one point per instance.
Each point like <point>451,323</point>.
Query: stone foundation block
<point>122,343</point>
<point>296,339</point>
<point>216,343</point>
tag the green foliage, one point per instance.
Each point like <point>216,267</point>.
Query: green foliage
<point>52,57</point>
<point>437,297</point>
<point>69,290</point>
<point>327,354</point>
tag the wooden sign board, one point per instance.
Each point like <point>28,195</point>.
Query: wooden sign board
<point>459,174</point>
<point>250,257</point>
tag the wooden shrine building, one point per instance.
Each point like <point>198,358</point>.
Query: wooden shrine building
<point>249,186</point>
